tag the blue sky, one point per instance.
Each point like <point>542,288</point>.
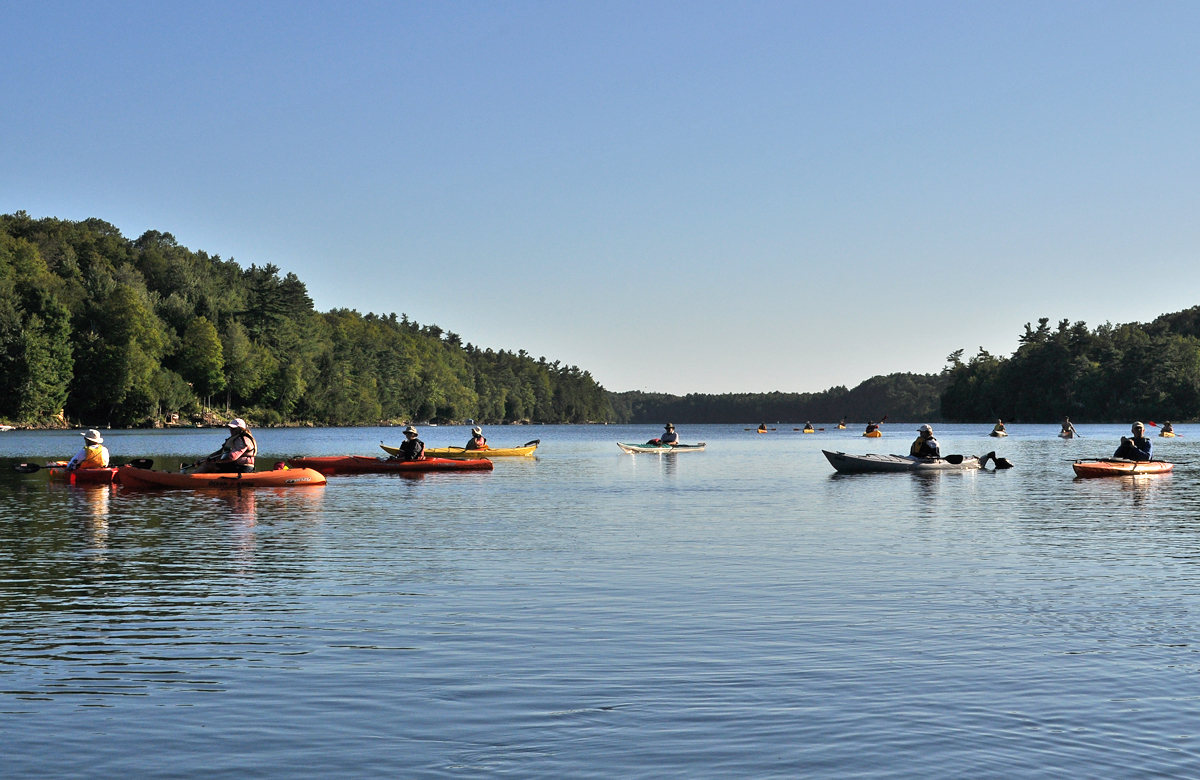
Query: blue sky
<point>676,196</point>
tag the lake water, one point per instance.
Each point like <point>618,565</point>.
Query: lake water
<point>741,612</point>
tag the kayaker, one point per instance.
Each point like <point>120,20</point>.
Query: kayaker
<point>669,436</point>
<point>1136,447</point>
<point>1067,427</point>
<point>236,455</point>
<point>808,427</point>
<point>1167,427</point>
<point>925,446</point>
<point>872,426</point>
<point>412,448</point>
<point>998,427</point>
<point>94,454</point>
<point>762,428</point>
<point>477,441</point>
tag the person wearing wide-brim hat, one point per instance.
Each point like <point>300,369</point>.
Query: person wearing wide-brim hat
<point>412,448</point>
<point>669,436</point>
<point>94,454</point>
<point>236,455</point>
<point>925,446</point>
<point>1137,446</point>
<point>477,441</point>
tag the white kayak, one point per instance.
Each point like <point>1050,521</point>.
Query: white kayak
<point>660,448</point>
<point>871,464</point>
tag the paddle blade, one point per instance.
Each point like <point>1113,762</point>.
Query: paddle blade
<point>884,419</point>
<point>1152,424</point>
<point>533,443</point>
<point>27,468</point>
<point>1002,463</point>
<point>955,459</point>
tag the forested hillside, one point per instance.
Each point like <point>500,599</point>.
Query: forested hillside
<point>1108,374</point>
<point>103,329</point>
<point>909,397</point>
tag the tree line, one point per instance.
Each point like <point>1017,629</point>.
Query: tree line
<point>1109,373</point>
<point>901,396</point>
<point>100,329</point>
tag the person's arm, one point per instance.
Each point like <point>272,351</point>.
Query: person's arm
<point>1149,448</point>
<point>237,449</point>
<point>75,461</point>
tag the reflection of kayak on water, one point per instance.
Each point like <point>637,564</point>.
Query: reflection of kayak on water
<point>1119,467</point>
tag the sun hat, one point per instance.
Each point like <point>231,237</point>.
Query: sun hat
<point>236,422</point>
<point>924,428</point>
<point>409,429</point>
<point>477,429</point>
<point>1139,425</point>
<point>669,427</point>
<point>93,436</point>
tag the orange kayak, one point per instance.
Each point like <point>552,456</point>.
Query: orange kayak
<point>131,477</point>
<point>83,476</point>
<point>1116,467</point>
<point>365,464</point>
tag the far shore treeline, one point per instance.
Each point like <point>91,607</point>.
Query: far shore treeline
<point>98,329</point>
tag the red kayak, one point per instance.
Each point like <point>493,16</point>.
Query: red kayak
<point>1118,467</point>
<point>365,464</point>
<point>83,476</point>
<point>132,477</point>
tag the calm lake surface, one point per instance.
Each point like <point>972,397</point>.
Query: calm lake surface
<point>740,612</point>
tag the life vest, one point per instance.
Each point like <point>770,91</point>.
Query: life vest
<point>97,457</point>
<point>247,457</point>
<point>477,443</point>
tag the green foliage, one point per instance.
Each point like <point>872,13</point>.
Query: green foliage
<point>909,397</point>
<point>113,330</point>
<point>1111,373</point>
<point>202,361</point>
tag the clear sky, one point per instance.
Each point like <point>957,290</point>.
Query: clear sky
<point>683,197</point>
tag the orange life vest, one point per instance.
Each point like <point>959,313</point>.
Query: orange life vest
<point>97,457</point>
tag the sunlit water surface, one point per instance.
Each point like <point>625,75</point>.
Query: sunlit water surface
<point>740,612</point>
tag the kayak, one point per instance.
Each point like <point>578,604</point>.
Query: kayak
<point>524,450</point>
<point>660,448</point>
<point>874,434</point>
<point>998,434</point>
<point>809,430</point>
<point>132,477</point>
<point>1167,434</point>
<point>841,427</point>
<point>365,464</point>
<point>83,476</point>
<point>1066,435</point>
<point>872,464</point>
<point>1119,467</point>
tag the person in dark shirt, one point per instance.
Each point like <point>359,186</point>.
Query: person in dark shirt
<point>1136,447</point>
<point>477,441</point>
<point>872,426</point>
<point>412,448</point>
<point>1168,428</point>
<point>925,446</point>
<point>669,436</point>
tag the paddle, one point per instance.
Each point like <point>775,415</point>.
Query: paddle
<point>32,468</point>
<point>533,443</point>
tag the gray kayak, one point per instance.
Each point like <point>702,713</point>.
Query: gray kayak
<point>871,464</point>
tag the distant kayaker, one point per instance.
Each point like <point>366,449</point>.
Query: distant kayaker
<point>412,448</point>
<point>925,446</point>
<point>1135,447</point>
<point>94,454</point>
<point>1067,428</point>
<point>236,454</point>
<point>1167,427</point>
<point>872,426</point>
<point>808,427</point>
<point>669,436</point>
<point>477,441</point>
<point>762,428</point>
<point>998,427</point>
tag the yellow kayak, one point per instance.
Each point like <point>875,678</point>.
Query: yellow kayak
<point>874,435</point>
<point>841,427</point>
<point>463,452</point>
<point>1167,435</point>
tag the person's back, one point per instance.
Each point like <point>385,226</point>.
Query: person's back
<point>94,454</point>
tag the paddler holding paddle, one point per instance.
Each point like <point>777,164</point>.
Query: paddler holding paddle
<point>925,446</point>
<point>236,455</point>
<point>669,436</point>
<point>94,454</point>
<point>1136,447</point>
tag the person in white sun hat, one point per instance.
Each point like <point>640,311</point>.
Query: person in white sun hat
<point>236,454</point>
<point>94,454</point>
<point>477,442</point>
<point>925,446</point>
